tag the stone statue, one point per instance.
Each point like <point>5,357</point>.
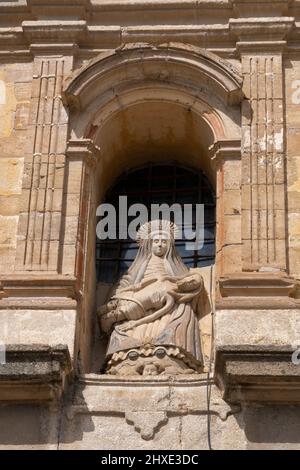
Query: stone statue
<point>152,315</point>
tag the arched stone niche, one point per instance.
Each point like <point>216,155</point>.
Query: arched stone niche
<point>138,104</point>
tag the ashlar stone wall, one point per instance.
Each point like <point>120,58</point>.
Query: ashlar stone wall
<point>88,89</point>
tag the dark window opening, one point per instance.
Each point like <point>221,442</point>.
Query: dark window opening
<point>158,183</point>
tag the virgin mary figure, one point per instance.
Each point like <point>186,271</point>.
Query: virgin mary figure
<point>153,314</point>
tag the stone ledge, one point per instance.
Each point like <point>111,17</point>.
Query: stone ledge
<point>146,403</point>
<point>34,373</point>
<point>258,290</point>
<point>262,374</point>
<point>36,291</point>
<point>275,21</point>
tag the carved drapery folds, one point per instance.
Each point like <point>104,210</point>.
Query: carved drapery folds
<point>153,315</point>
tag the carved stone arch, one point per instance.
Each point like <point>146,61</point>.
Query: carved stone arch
<point>141,100</point>
<point>195,75</point>
<point>201,69</point>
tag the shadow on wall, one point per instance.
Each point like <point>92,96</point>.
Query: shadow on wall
<point>38,427</point>
<point>272,427</point>
<point>28,426</point>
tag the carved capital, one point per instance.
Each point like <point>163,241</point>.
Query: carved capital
<point>264,32</point>
<point>225,149</point>
<point>83,149</point>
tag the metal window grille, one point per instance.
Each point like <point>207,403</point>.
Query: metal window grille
<point>158,183</point>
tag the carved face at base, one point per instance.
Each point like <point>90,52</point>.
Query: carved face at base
<point>150,370</point>
<point>160,245</point>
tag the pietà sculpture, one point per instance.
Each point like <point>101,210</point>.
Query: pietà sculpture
<point>153,312</point>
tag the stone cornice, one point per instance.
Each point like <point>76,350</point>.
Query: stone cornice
<point>261,290</point>
<point>260,47</point>
<point>256,284</point>
<point>261,8</point>
<point>256,373</point>
<point>83,149</point>
<point>11,35</point>
<point>241,6</point>
<point>25,27</point>
<point>14,6</point>
<point>84,7</point>
<point>55,49</point>
<point>34,373</point>
<point>113,5</point>
<point>109,5</point>
<point>36,291</point>
<point>259,29</point>
<point>53,30</point>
